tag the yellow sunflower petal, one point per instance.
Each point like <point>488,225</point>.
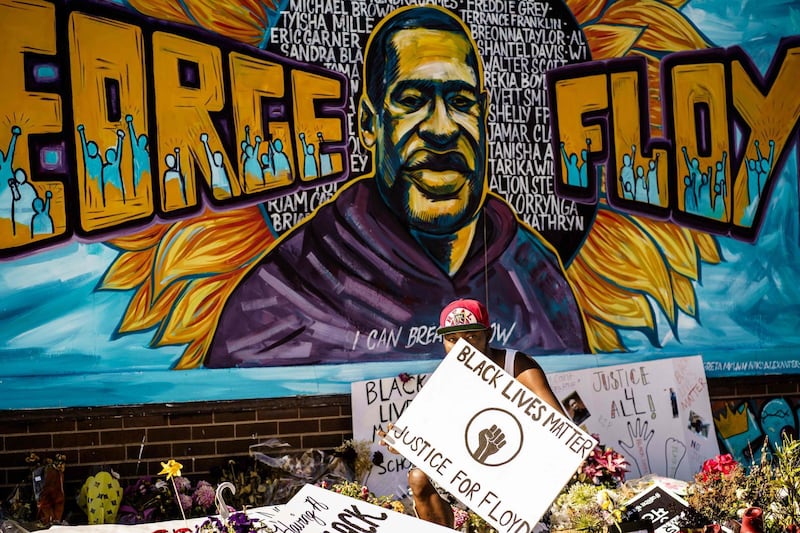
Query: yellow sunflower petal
<point>137,317</point>
<point>162,9</point>
<point>607,302</point>
<point>189,250</point>
<point>675,243</point>
<point>625,255</point>
<point>602,337</point>
<point>128,271</point>
<point>608,42</point>
<point>141,240</point>
<point>708,247</point>
<point>203,303</point>
<point>666,28</point>
<point>586,10</point>
<point>685,295</point>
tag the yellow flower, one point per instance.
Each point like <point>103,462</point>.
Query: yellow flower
<point>171,468</point>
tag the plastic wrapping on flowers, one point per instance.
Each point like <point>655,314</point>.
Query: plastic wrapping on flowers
<point>263,479</point>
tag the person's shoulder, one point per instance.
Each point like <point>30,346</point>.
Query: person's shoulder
<point>525,362</point>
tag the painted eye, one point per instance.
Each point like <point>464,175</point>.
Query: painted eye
<point>461,102</point>
<point>412,100</point>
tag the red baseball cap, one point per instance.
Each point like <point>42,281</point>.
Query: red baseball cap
<point>463,315</point>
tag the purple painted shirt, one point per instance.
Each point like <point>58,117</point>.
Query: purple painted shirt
<point>351,284</point>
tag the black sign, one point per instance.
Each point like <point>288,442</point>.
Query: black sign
<point>660,506</point>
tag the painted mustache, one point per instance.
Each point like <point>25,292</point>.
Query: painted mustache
<point>439,162</point>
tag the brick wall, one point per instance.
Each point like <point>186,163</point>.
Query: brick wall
<point>203,436</point>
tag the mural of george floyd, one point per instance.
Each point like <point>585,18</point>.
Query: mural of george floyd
<point>213,201</point>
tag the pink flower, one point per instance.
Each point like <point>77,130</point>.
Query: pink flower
<point>719,466</point>
<point>204,494</point>
<point>604,466</point>
<point>186,501</point>
<point>460,517</point>
<point>364,492</point>
<point>182,483</point>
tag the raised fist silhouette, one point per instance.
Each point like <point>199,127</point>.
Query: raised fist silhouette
<point>489,442</point>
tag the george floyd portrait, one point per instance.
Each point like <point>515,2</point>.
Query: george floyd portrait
<point>364,277</point>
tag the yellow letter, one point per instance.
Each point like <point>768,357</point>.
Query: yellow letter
<point>252,82</point>
<point>27,26</point>
<point>627,110</point>
<point>108,83</point>
<point>771,118</point>
<point>574,99</point>
<point>308,88</point>
<point>701,86</point>
<point>187,76</point>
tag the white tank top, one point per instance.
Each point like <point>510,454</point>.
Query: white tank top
<point>511,357</point>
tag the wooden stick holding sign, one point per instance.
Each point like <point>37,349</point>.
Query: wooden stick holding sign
<point>491,442</point>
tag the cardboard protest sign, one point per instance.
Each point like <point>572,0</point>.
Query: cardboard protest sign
<point>263,514</point>
<point>318,510</point>
<point>660,506</point>
<point>656,413</point>
<point>483,436</point>
<point>375,404</point>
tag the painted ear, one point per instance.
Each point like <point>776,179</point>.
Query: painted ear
<point>367,122</point>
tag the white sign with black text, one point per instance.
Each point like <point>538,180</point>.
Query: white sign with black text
<point>656,413</point>
<point>491,442</point>
<point>376,403</point>
<point>318,510</point>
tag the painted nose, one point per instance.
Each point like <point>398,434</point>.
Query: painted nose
<point>439,128</point>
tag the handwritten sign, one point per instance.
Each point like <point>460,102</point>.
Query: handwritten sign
<point>656,413</point>
<point>483,436</point>
<point>317,510</point>
<point>375,404</point>
<point>660,506</point>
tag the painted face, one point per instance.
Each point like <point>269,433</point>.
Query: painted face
<point>431,132</point>
<point>478,339</point>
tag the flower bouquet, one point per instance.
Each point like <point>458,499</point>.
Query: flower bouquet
<point>593,500</point>
<point>726,492</point>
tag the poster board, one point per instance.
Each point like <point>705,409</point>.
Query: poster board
<point>317,510</point>
<point>660,506</point>
<point>483,436</point>
<point>376,403</point>
<point>656,413</point>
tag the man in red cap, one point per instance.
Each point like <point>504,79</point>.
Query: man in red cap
<point>469,320</point>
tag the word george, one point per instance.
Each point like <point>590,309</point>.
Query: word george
<point>80,96</point>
